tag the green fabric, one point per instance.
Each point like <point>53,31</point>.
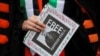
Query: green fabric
<point>23,9</point>
<point>53,3</point>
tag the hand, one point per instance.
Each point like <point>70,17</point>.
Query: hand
<point>33,23</point>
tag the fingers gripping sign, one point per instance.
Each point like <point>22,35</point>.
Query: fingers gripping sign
<point>33,23</point>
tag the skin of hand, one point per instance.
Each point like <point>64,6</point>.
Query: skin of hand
<point>33,23</point>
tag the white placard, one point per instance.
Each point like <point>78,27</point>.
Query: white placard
<point>59,30</point>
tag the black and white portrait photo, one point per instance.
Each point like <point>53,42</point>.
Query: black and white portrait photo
<point>52,36</point>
